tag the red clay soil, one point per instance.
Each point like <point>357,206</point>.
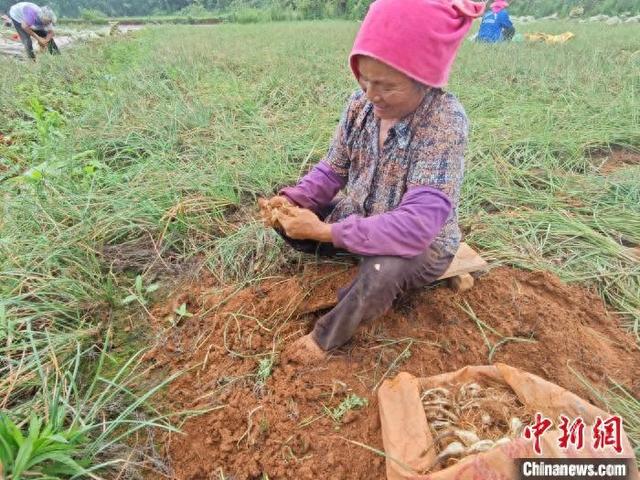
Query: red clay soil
<point>281,429</point>
<point>617,159</point>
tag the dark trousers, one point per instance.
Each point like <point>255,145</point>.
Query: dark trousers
<point>27,42</point>
<point>380,280</point>
<point>508,33</point>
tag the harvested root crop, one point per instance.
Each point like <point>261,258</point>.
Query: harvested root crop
<point>269,214</point>
<point>470,419</point>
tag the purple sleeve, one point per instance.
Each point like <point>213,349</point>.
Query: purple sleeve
<point>316,189</point>
<point>29,15</point>
<point>405,231</point>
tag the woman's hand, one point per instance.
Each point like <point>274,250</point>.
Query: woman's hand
<point>303,224</point>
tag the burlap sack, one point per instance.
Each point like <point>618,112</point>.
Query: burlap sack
<point>407,438</point>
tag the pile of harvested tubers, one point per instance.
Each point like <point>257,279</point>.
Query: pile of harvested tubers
<point>470,419</point>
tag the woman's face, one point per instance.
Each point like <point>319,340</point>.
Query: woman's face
<point>393,94</point>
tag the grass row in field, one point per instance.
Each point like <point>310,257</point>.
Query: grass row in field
<point>128,158</point>
<point>150,20</point>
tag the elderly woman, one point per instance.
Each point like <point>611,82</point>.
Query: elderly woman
<point>30,20</point>
<point>399,152</point>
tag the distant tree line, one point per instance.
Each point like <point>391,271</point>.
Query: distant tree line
<point>310,9</point>
<point>116,8</point>
<point>542,8</point>
<point>73,8</point>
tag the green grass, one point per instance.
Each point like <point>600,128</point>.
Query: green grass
<point>534,197</point>
<point>72,422</point>
<point>618,399</point>
<point>147,20</point>
<point>130,158</point>
<point>351,402</point>
<point>621,401</point>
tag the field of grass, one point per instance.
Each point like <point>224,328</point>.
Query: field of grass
<point>123,164</point>
<point>150,20</point>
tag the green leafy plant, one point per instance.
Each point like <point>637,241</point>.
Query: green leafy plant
<point>182,311</point>
<point>65,440</point>
<point>140,292</point>
<point>265,368</point>
<point>45,448</point>
<point>352,402</point>
<point>47,120</point>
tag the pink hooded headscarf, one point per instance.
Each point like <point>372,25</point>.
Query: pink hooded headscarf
<point>499,5</point>
<point>420,38</point>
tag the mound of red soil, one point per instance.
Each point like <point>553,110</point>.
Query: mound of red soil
<point>282,425</point>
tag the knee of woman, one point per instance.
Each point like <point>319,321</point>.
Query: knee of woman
<point>379,275</point>
<point>384,266</point>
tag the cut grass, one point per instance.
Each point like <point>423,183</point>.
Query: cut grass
<point>482,326</point>
<point>129,157</point>
<point>148,20</point>
<point>619,400</point>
